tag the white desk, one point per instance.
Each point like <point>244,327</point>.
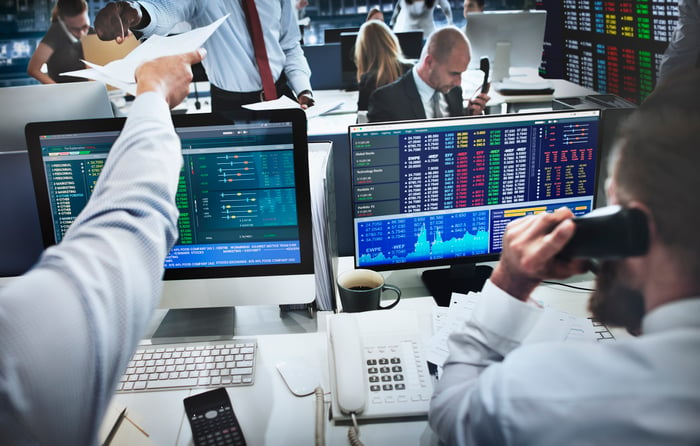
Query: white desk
<point>269,413</point>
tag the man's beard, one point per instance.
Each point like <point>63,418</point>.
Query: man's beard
<point>614,303</point>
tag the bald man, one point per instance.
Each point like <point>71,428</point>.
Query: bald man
<point>432,89</point>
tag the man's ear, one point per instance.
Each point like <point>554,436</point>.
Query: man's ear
<point>651,223</point>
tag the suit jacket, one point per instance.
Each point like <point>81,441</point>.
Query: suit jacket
<point>400,101</point>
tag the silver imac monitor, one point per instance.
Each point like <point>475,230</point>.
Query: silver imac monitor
<point>245,235</point>
<point>20,236</point>
<point>51,102</point>
<point>517,36</point>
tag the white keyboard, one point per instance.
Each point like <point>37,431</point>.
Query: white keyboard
<point>192,365</point>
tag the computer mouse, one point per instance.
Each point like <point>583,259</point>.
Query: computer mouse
<point>301,376</point>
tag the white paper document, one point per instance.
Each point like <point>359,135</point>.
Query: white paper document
<point>553,325</point>
<point>120,73</point>
<point>286,102</point>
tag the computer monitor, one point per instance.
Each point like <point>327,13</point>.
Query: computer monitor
<point>332,35</point>
<point>50,102</point>
<point>20,236</point>
<point>517,35</point>
<point>411,43</point>
<point>347,60</point>
<point>441,192</point>
<point>244,199</point>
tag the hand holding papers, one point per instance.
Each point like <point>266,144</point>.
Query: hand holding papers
<point>120,73</point>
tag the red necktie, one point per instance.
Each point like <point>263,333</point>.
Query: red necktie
<point>255,29</point>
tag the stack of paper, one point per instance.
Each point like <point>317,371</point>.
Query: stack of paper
<point>553,325</point>
<point>322,214</point>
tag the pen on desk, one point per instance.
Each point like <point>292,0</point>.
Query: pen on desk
<point>126,417</point>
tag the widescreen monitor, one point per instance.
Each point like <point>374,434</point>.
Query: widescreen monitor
<point>244,200</point>
<point>522,32</point>
<point>440,192</point>
<point>610,47</point>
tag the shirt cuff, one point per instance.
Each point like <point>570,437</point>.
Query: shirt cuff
<point>150,106</point>
<point>505,320</point>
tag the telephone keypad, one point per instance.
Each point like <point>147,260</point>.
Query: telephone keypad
<point>392,380</point>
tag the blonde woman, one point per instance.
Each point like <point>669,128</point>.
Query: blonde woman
<point>379,59</point>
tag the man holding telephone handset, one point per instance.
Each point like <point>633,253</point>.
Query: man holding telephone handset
<point>642,390</point>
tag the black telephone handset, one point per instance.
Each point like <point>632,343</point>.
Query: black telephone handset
<point>485,66</point>
<point>611,232</point>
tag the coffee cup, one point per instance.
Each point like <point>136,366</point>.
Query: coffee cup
<point>361,290</point>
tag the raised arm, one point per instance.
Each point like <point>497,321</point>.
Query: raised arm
<point>69,326</point>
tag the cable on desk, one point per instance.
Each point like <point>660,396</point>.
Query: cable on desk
<point>320,433</point>
<point>567,285</point>
<point>354,432</point>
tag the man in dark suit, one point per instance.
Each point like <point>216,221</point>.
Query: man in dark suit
<point>432,89</point>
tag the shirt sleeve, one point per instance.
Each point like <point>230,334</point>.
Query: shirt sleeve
<point>69,326</point>
<point>296,67</point>
<point>165,15</point>
<point>447,10</point>
<point>498,325</point>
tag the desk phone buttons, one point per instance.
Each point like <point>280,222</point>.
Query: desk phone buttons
<point>212,419</point>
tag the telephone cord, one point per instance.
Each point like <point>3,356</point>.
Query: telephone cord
<point>354,432</point>
<point>320,425</point>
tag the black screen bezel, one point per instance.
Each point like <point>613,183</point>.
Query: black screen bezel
<point>456,260</point>
<point>297,117</point>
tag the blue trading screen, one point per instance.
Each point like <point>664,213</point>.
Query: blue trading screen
<point>236,194</point>
<point>427,192</point>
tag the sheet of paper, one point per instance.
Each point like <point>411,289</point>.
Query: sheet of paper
<point>120,73</point>
<point>285,102</point>
<point>276,104</point>
<point>460,310</point>
<point>553,325</point>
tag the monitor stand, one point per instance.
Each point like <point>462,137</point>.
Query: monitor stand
<point>195,325</point>
<point>460,278</point>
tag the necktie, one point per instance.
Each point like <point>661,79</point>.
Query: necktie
<point>255,29</point>
<point>436,105</point>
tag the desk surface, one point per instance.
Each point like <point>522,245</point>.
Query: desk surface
<point>270,414</point>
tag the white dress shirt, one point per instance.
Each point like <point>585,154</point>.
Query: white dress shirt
<point>417,16</point>
<point>69,326</point>
<point>641,391</point>
<point>230,64</point>
<point>426,93</point>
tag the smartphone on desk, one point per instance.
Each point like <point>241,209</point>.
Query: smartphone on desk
<point>376,373</point>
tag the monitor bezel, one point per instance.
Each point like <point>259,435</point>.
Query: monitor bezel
<point>297,117</point>
<point>423,122</point>
<point>484,31</point>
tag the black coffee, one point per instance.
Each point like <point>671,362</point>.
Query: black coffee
<point>361,288</point>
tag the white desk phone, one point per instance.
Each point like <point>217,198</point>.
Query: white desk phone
<point>377,366</point>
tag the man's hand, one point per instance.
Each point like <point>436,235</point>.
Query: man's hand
<point>306,99</point>
<point>478,104</point>
<point>530,245</point>
<point>114,20</point>
<point>169,76</point>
